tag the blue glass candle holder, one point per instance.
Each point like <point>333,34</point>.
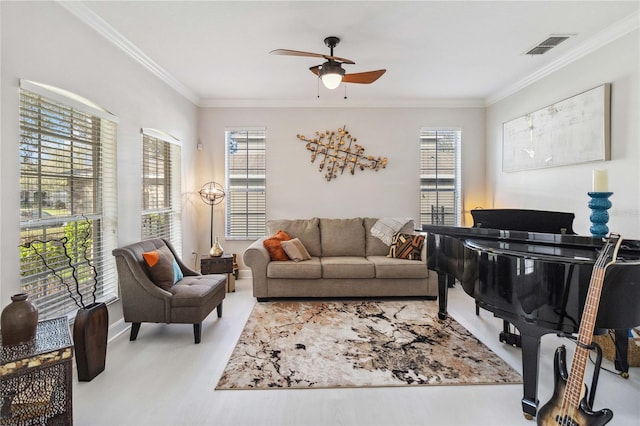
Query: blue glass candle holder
<point>599,204</point>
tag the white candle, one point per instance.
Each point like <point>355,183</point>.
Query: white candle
<point>600,181</point>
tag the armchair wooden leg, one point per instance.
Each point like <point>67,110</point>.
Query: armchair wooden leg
<point>197,332</point>
<point>219,309</point>
<point>135,328</point>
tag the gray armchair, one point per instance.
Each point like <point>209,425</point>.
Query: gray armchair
<point>189,301</point>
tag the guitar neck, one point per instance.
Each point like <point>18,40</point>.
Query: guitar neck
<point>575,383</point>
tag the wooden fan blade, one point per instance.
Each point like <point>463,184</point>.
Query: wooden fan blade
<point>295,53</point>
<point>310,54</point>
<point>363,77</point>
<point>315,69</point>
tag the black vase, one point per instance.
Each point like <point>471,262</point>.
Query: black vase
<point>90,331</point>
<point>19,321</point>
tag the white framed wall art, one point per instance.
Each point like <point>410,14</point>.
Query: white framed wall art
<point>572,131</point>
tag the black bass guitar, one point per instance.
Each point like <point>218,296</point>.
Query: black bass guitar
<point>568,405</point>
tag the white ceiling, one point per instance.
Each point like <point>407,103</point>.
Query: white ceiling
<point>435,52</point>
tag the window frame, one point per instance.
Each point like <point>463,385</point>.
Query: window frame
<point>169,170</point>
<point>246,185</point>
<point>441,180</point>
<point>69,143</point>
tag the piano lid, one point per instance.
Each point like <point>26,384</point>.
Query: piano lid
<point>628,249</point>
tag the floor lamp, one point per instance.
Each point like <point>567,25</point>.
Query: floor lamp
<point>212,193</point>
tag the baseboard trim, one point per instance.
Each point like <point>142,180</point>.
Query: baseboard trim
<point>117,329</point>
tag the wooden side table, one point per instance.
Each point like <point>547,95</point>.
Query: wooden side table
<point>36,385</point>
<point>219,265</point>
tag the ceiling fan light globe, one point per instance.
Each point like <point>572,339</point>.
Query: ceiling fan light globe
<point>331,81</point>
<point>331,74</point>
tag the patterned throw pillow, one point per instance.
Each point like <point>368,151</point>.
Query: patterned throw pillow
<point>163,268</point>
<point>295,250</point>
<point>406,246</point>
<point>274,246</point>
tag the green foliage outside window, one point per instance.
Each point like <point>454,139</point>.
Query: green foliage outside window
<point>52,257</point>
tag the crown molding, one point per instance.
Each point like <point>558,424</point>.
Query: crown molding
<point>604,37</point>
<point>347,103</point>
<point>86,15</point>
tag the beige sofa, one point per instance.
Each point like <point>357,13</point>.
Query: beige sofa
<point>346,261</point>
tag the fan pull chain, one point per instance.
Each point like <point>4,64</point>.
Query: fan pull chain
<point>318,87</point>
<point>345,90</point>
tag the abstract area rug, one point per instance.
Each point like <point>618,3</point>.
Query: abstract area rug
<point>358,344</point>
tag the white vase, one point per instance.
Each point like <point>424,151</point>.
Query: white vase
<point>216,250</point>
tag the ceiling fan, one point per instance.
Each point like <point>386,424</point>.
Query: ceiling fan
<point>331,72</point>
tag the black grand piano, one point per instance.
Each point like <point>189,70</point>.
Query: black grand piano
<point>537,281</point>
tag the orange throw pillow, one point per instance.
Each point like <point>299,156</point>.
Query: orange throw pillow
<point>274,246</point>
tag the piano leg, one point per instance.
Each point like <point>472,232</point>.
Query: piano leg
<point>530,339</point>
<point>451,281</point>
<point>622,348</point>
<point>443,290</point>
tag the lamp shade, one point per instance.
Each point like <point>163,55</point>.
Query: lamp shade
<point>331,75</point>
<point>212,193</point>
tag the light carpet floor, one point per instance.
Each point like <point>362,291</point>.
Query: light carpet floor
<point>330,344</point>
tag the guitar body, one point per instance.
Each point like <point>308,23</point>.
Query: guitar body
<point>552,412</point>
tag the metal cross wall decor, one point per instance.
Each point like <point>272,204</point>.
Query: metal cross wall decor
<point>338,151</point>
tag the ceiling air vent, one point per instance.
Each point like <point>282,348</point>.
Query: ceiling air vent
<point>548,44</point>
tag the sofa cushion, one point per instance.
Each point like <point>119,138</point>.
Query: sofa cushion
<point>342,237</point>
<point>307,230</point>
<point>274,246</point>
<point>390,267</point>
<point>295,250</point>
<point>406,246</point>
<point>309,269</point>
<point>375,247</point>
<point>347,267</point>
<point>163,268</point>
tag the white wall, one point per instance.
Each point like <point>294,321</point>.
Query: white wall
<point>295,187</point>
<point>565,188</point>
<point>43,42</point>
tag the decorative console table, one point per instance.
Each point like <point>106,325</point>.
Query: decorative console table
<point>36,386</point>
<point>219,265</point>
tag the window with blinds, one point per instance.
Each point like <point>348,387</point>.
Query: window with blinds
<point>68,205</point>
<point>161,186</point>
<point>440,177</point>
<point>245,183</point>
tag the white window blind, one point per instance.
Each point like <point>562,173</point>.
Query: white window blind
<point>161,189</point>
<point>68,191</point>
<point>440,177</point>
<point>245,183</point>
